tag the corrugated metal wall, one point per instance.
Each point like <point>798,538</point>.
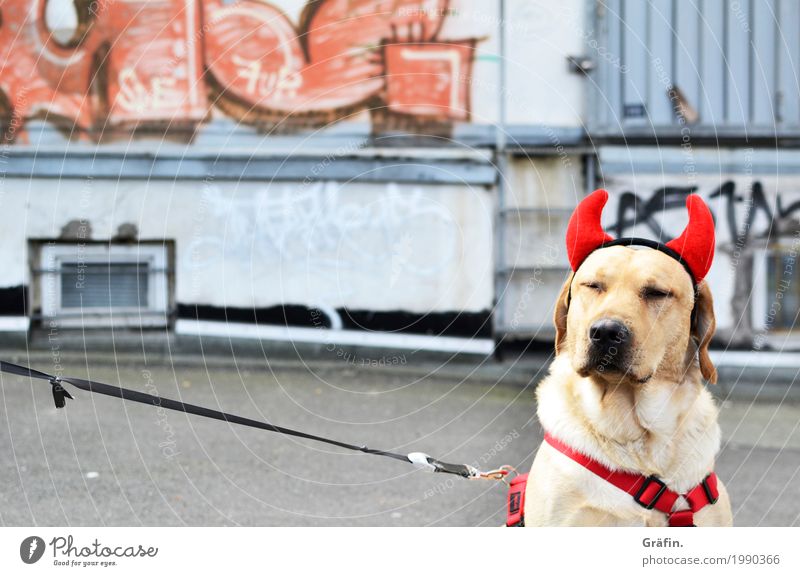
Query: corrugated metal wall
<point>720,67</point>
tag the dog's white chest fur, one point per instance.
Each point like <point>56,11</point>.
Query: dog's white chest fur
<point>660,428</point>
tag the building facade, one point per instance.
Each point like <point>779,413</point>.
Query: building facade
<point>384,168</point>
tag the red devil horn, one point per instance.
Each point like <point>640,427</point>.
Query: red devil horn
<point>696,244</point>
<point>584,232</point>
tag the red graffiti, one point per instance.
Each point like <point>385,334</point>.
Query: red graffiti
<point>128,62</point>
<point>428,79</point>
<point>162,64</point>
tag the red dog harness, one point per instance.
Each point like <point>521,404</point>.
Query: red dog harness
<point>648,491</point>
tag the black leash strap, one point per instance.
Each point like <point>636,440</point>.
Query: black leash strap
<point>60,395</point>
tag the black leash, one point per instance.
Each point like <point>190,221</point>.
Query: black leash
<point>60,396</point>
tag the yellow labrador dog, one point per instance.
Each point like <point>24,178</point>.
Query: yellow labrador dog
<point>626,387</point>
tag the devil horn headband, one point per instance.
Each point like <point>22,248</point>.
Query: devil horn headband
<point>694,248</point>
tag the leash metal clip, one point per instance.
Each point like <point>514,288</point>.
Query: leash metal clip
<point>426,462</point>
<point>474,473</point>
<point>422,461</point>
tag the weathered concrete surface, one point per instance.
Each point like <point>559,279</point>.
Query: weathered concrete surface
<point>104,462</point>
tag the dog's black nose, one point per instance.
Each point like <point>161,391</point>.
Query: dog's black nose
<point>607,333</point>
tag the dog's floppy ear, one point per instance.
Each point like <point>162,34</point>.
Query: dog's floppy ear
<point>560,314</point>
<point>703,327</point>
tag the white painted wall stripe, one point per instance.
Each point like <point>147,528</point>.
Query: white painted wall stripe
<point>451,344</point>
<point>14,323</point>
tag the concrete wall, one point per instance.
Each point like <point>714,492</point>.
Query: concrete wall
<point>541,193</point>
<point>356,168</point>
<point>541,87</point>
<point>359,246</point>
<point>272,164</point>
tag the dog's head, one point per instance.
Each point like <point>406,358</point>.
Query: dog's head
<point>635,309</point>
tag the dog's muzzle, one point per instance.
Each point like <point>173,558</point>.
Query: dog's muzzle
<point>609,343</point>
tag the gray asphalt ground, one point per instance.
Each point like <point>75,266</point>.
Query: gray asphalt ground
<point>105,462</point>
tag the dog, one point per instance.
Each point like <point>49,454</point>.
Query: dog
<point>626,386</point>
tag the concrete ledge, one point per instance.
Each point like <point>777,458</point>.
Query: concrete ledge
<point>333,338</point>
<point>469,170</point>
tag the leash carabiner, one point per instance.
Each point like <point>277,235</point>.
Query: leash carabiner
<point>425,462</point>
<point>500,474</point>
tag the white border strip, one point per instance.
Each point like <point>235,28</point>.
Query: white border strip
<point>753,359</point>
<point>14,323</point>
<point>482,346</point>
<point>187,550</point>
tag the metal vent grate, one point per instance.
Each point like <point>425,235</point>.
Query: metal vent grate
<point>104,285</point>
<point>99,285</point>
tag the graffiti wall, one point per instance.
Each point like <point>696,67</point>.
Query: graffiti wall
<point>98,68</point>
<point>327,244</point>
<point>757,219</point>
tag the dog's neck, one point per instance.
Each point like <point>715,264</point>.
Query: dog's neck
<point>663,427</point>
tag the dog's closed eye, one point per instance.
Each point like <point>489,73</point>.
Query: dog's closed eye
<point>655,293</point>
<point>596,286</point>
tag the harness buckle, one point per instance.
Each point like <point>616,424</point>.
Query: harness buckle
<point>710,494</point>
<point>645,488</point>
